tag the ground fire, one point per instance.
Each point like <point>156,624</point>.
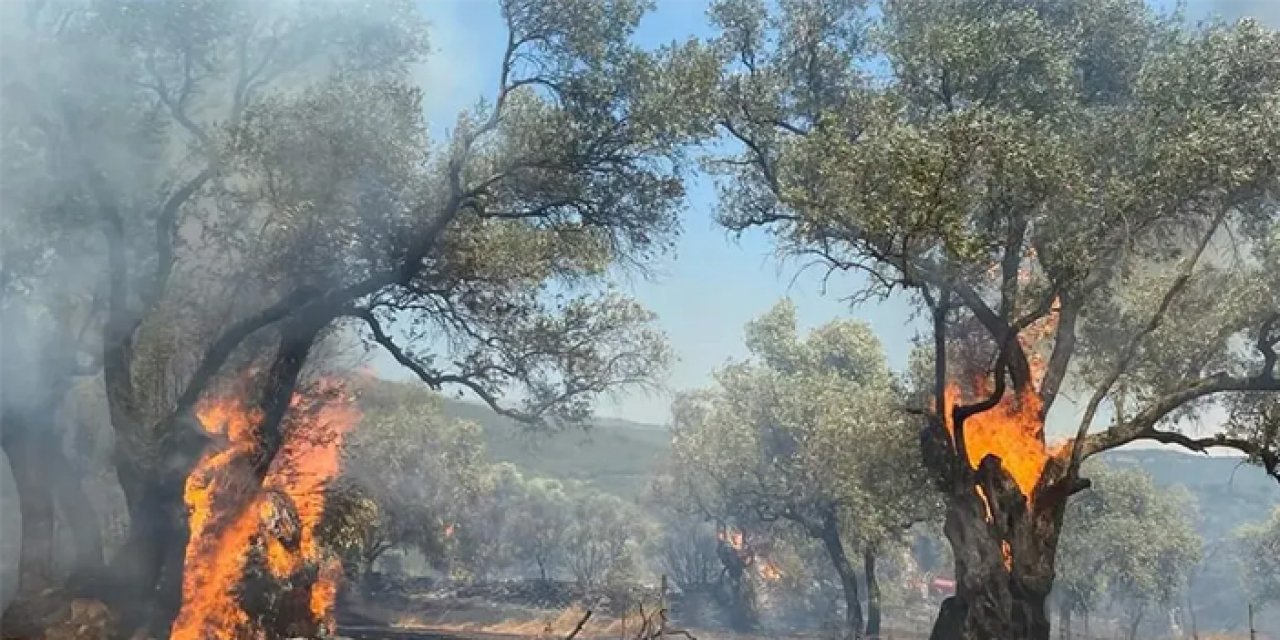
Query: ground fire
<point>240,527</point>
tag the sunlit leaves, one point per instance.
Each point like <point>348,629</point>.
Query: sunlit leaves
<point>807,425</point>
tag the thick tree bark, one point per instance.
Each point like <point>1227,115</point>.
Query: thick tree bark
<point>1004,554</point>
<point>848,576</point>
<point>145,586</point>
<point>873,593</point>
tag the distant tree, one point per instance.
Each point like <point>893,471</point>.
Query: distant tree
<point>685,548</point>
<point>486,544</point>
<point>810,432</point>
<point>419,471</point>
<point>542,513</point>
<point>1259,558</point>
<point>1091,170</point>
<point>1125,541</point>
<point>602,538</point>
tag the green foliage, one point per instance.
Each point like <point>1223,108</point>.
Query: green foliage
<point>604,539</point>
<point>409,474</point>
<point>807,428</point>
<point>1013,153</point>
<point>1259,558</point>
<point>1127,541</point>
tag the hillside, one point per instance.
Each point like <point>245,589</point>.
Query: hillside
<point>621,456</point>
<point>613,455</point>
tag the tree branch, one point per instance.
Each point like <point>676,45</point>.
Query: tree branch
<point>1142,426</point>
<point>1130,350</point>
<point>167,229</point>
<point>1064,346</point>
<point>433,379</point>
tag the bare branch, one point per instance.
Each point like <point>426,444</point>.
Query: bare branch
<point>167,229</point>
<point>433,379</point>
<point>578,628</point>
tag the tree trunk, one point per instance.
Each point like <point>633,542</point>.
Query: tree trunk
<point>146,573</point>
<point>736,594</point>
<point>27,448</point>
<point>1004,555</point>
<point>873,593</point>
<point>28,458</point>
<point>81,517</point>
<point>848,577</point>
<point>1136,622</point>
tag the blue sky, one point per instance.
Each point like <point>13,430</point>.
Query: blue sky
<point>713,283</point>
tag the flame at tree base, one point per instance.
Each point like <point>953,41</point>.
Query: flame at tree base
<point>242,529</point>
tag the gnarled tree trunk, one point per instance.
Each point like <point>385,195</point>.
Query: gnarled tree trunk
<point>1004,554</point>
<point>145,586</point>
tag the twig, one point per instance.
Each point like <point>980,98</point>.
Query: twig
<point>578,629</point>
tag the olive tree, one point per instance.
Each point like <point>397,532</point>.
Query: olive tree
<point>1259,555</point>
<point>1082,193</point>
<point>290,193</point>
<point>810,431</point>
<point>1127,542</point>
<point>414,474</point>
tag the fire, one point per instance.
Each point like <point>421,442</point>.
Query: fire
<point>229,509</point>
<point>733,538</point>
<point>769,571</point>
<point>1012,431</point>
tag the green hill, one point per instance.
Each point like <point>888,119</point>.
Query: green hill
<point>612,455</point>
<point>621,456</point>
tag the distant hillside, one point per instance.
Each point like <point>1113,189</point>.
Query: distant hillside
<point>1229,493</point>
<point>620,456</point>
<point>613,455</point>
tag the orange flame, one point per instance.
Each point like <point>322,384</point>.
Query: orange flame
<point>229,509</point>
<point>1013,430</point>
<point>769,571</point>
<point>733,537</point>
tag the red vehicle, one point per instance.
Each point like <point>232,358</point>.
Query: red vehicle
<point>942,587</point>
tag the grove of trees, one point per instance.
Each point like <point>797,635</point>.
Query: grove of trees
<point>1082,199</point>
<point>198,190</point>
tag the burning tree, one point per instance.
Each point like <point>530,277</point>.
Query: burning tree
<point>809,433</point>
<point>1081,195</point>
<point>275,188</point>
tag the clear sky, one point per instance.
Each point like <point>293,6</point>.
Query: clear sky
<point>713,283</point>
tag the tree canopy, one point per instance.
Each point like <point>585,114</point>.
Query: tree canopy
<point>1125,542</point>
<point>810,431</point>
<point>1259,558</point>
